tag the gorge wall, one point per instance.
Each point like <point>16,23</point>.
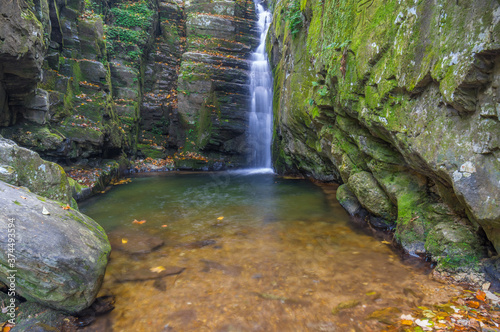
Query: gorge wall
<point>399,101</point>
<point>87,80</point>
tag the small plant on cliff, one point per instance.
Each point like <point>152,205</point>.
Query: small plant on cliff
<point>294,17</point>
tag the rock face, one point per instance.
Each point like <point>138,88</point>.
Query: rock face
<point>61,255</point>
<point>401,102</point>
<point>55,83</point>
<point>97,79</point>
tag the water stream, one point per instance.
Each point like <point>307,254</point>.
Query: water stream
<point>259,253</point>
<point>261,114</point>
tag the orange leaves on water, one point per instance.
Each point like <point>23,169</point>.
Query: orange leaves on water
<point>140,222</point>
<point>164,226</point>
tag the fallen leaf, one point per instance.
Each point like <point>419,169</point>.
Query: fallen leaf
<point>157,269</point>
<point>45,211</point>
<point>67,207</point>
<point>385,242</point>
<point>406,322</point>
<point>140,222</point>
<point>164,226</point>
<point>23,197</point>
<point>473,304</point>
<point>480,295</point>
<point>124,241</point>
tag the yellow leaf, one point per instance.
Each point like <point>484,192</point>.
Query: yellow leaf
<point>385,242</point>
<point>157,269</point>
<point>124,241</point>
<point>220,218</point>
<point>406,322</point>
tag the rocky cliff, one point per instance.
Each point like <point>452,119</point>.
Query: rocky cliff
<point>399,101</point>
<point>82,80</point>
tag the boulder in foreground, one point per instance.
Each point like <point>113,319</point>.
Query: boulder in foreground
<point>61,255</point>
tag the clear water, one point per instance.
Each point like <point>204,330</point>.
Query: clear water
<point>283,255</point>
<point>261,114</point>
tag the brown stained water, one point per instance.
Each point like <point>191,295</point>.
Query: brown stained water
<point>282,258</point>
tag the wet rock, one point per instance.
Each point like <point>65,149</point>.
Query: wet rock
<point>61,257</point>
<point>101,306</point>
<point>147,274</point>
<point>134,242</point>
<point>228,270</point>
<point>348,200</point>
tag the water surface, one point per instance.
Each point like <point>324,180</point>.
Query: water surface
<point>260,252</point>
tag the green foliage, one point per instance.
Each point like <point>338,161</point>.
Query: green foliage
<point>133,15</point>
<point>129,32</point>
<point>294,17</point>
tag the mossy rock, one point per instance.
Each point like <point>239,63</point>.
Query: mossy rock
<point>371,196</point>
<point>454,246</point>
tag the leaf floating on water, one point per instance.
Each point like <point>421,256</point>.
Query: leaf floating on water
<point>45,211</point>
<point>385,242</point>
<point>407,322</point>
<point>164,225</point>
<point>124,241</point>
<point>157,269</point>
<point>220,218</point>
<point>140,222</point>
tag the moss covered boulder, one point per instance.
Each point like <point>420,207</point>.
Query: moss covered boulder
<point>371,196</point>
<point>23,167</point>
<point>60,254</point>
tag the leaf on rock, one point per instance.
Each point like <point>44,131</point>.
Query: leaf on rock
<point>45,211</point>
<point>157,269</point>
<point>67,207</point>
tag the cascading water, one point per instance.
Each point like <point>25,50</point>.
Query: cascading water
<point>261,115</point>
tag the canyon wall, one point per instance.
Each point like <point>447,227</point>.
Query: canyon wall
<point>399,101</point>
<point>82,81</point>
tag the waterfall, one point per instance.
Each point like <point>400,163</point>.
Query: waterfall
<point>261,92</point>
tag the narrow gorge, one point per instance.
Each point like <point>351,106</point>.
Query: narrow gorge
<point>391,108</point>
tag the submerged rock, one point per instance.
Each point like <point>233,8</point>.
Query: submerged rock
<point>229,270</point>
<point>133,242</point>
<point>60,258</point>
<point>147,274</point>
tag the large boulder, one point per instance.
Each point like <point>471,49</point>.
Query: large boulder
<point>60,254</point>
<point>23,167</point>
